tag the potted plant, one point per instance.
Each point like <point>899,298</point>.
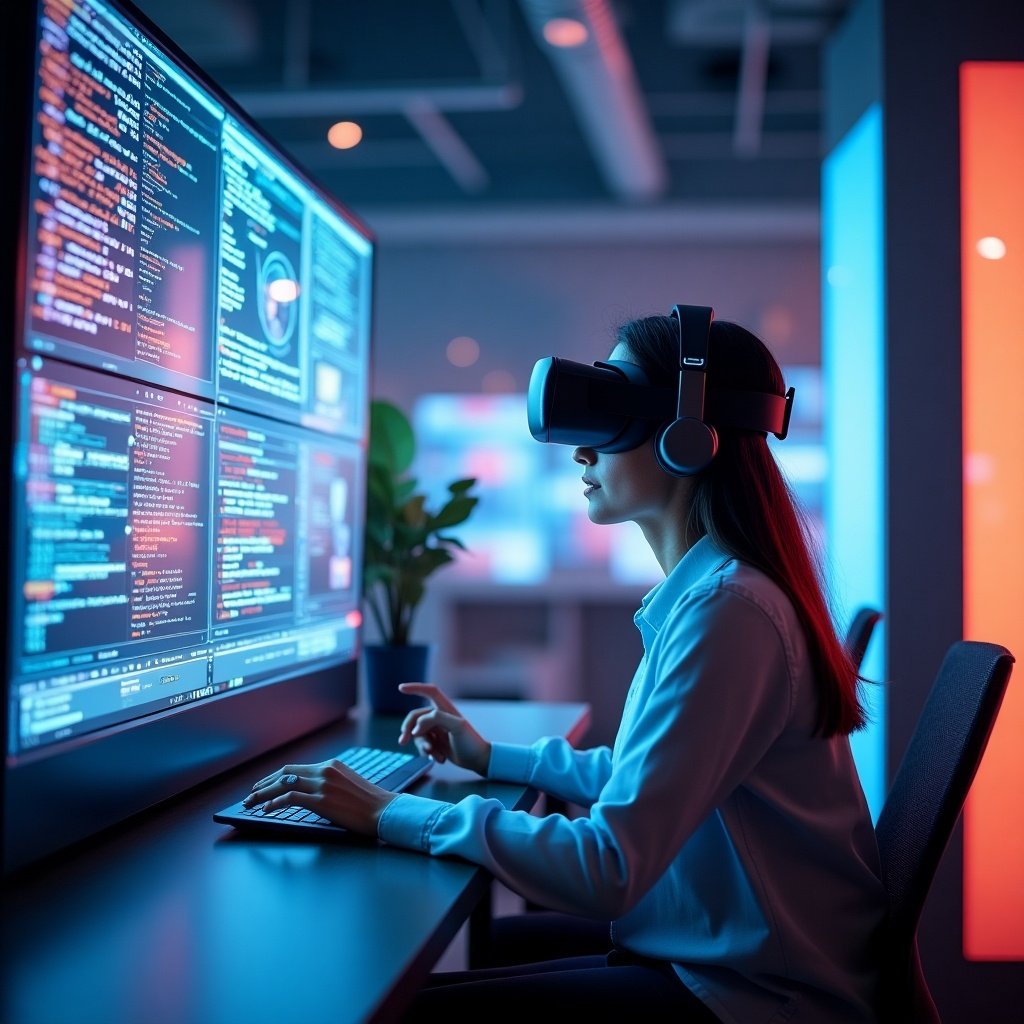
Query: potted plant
<point>405,543</point>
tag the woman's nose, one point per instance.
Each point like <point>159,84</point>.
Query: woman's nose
<point>584,456</point>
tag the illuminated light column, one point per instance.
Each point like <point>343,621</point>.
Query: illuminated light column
<point>853,364</point>
<point>992,239</point>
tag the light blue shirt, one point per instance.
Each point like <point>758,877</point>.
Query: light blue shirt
<point>723,835</point>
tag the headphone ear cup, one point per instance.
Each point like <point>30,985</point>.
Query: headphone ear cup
<point>685,446</point>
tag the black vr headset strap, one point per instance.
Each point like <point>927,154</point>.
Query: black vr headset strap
<point>743,410</point>
<point>759,411</point>
<point>694,324</point>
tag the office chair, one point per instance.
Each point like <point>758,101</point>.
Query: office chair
<point>923,805</point>
<point>859,633</point>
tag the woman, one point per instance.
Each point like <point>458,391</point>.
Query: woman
<point>728,842</point>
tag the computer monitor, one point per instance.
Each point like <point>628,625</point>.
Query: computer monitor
<point>189,333</point>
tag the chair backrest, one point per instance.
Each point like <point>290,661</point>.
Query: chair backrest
<point>925,801</point>
<point>859,633</point>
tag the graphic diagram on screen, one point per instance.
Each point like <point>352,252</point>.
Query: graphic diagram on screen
<point>277,293</point>
<point>260,297</point>
<point>330,521</point>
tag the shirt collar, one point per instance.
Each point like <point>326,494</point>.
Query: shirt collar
<point>703,559</point>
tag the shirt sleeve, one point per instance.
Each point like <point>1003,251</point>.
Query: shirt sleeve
<point>554,766</point>
<point>716,694</point>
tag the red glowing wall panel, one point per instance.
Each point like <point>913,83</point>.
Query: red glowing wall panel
<point>992,211</point>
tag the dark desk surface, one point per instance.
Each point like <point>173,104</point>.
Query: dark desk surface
<point>174,919</point>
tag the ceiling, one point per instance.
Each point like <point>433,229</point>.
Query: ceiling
<point>466,110</point>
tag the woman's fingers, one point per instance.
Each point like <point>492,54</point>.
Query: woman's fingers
<point>288,769</point>
<point>435,718</point>
<point>409,723</point>
<point>287,781</point>
<point>428,728</point>
<point>265,789</point>
<point>434,745</point>
<point>294,798</point>
<point>431,692</point>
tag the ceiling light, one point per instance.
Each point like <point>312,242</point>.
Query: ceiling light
<point>344,134</point>
<point>499,382</point>
<point>991,248</point>
<point>565,32</point>
<point>463,351</point>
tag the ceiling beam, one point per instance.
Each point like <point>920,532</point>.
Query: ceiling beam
<point>448,146</point>
<point>600,82</point>
<point>753,80</point>
<point>675,223</point>
<point>327,102</point>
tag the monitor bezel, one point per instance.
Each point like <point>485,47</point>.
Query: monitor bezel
<point>98,781</point>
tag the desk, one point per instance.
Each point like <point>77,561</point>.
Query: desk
<point>174,919</point>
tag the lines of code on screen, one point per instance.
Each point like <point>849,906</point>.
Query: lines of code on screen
<point>190,395</point>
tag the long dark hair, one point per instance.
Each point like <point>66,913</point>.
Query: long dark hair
<point>744,504</point>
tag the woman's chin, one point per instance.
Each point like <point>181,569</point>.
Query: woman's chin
<point>600,516</point>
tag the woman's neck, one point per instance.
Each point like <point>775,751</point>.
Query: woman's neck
<point>667,535</point>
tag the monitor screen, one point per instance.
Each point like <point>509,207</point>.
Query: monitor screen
<point>189,355</point>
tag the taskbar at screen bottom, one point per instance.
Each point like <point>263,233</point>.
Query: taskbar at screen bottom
<point>40,721</point>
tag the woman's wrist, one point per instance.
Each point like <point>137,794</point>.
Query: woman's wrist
<point>382,802</point>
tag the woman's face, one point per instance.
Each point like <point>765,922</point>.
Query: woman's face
<point>626,486</point>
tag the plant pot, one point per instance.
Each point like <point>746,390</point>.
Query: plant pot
<point>387,665</point>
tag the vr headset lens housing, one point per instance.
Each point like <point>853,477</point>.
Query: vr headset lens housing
<point>608,406</point>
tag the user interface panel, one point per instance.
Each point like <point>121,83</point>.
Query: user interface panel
<point>190,396</point>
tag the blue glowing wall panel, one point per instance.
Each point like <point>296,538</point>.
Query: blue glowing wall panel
<point>853,364</point>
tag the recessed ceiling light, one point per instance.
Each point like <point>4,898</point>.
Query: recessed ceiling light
<point>565,32</point>
<point>344,134</point>
<point>463,351</point>
<point>499,382</point>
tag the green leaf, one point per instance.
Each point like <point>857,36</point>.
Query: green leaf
<point>413,512</point>
<point>403,543</point>
<point>428,561</point>
<point>375,574</point>
<point>456,511</point>
<point>392,443</point>
<point>403,490</point>
<point>378,542</point>
<point>453,541</point>
<point>380,490</point>
<point>406,537</point>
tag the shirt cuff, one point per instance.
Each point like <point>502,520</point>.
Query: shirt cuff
<point>510,762</point>
<point>407,821</point>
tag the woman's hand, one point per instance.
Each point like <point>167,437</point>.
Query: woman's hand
<point>330,788</point>
<point>440,731</point>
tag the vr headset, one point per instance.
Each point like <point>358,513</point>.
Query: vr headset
<point>612,406</point>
